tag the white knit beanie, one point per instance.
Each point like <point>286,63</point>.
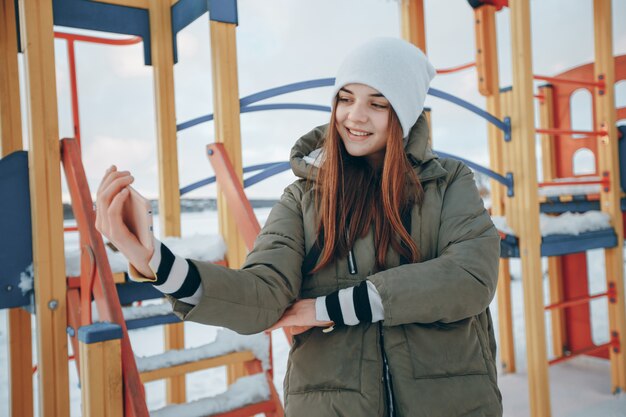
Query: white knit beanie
<point>397,69</point>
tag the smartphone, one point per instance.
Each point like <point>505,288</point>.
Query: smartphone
<point>137,215</point>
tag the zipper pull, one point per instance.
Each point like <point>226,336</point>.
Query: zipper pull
<point>351,263</point>
<point>351,259</point>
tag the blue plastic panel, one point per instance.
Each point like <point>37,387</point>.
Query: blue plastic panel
<point>130,292</point>
<point>557,245</point>
<point>99,332</point>
<point>91,15</point>
<point>223,11</point>
<point>151,321</point>
<point>16,253</point>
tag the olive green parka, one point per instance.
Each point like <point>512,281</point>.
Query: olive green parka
<point>437,332</point>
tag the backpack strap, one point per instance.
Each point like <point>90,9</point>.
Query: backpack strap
<point>406,222</point>
<point>313,254</point>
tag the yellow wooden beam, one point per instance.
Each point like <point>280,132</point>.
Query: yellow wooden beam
<point>523,139</point>
<point>19,323</point>
<point>167,150</point>
<point>101,378</point>
<point>235,371</point>
<point>486,50</point>
<point>608,161</point>
<point>47,209</point>
<point>546,121</point>
<point>227,125</point>
<point>10,115</point>
<point>548,165</point>
<point>20,363</point>
<point>489,86</point>
<point>185,368</point>
<point>413,22</point>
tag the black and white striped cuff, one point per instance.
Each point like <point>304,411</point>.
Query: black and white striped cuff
<point>175,275</point>
<point>351,306</point>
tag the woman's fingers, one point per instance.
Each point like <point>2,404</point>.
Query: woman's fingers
<point>105,197</point>
<point>104,181</point>
<point>295,330</point>
<point>118,229</point>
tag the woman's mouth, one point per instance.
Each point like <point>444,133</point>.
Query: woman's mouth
<point>357,133</point>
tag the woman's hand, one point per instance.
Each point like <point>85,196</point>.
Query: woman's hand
<point>112,194</point>
<point>300,317</point>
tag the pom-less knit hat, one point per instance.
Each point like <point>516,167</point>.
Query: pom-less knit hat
<point>394,67</point>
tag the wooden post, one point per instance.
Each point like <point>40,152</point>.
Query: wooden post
<point>227,126</point>
<point>523,138</point>
<point>489,86</point>
<point>412,22</point>
<point>546,121</point>
<point>608,161</point>
<point>20,340</point>
<point>167,147</point>
<point>100,350</point>
<point>10,115</point>
<point>47,209</point>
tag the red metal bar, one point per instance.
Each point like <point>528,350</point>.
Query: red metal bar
<point>555,80</point>
<point>238,203</point>
<point>230,185</point>
<point>571,132</point>
<point>456,69</point>
<point>576,301</point>
<point>605,182</point>
<point>586,351</point>
<point>104,290</point>
<point>70,229</point>
<point>94,39</point>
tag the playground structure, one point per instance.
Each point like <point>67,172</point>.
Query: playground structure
<point>62,302</point>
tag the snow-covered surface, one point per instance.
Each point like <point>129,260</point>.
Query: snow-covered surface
<point>567,223</point>
<point>226,341</point>
<point>245,391</point>
<point>579,388</point>
<point>138,312</point>
<point>201,247</point>
<point>26,280</point>
<point>573,189</point>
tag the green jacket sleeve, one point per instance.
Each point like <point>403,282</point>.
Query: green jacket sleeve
<point>461,281</point>
<point>251,299</point>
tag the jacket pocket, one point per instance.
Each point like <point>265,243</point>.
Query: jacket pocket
<point>445,349</point>
<point>326,361</point>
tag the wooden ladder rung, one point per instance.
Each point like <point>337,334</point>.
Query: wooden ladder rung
<point>185,368</point>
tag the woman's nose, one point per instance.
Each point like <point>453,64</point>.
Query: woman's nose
<point>357,114</point>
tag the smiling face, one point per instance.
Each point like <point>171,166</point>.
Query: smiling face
<point>362,120</point>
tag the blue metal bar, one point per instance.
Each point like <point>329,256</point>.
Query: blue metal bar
<point>469,106</point>
<point>260,107</point>
<point>266,166</point>
<point>285,106</point>
<point>269,172</point>
<point>507,181</point>
<point>289,88</point>
<point>193,122</point>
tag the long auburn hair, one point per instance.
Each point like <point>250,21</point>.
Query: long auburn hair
<point>351,196</point>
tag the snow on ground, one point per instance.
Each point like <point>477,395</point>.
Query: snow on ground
<point>579,388</point>
<point>567,223</point>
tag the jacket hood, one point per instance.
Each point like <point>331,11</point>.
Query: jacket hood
<point>306,155</point>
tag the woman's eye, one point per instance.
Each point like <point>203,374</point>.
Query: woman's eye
<point>343,99</point>
<point>380,106</point>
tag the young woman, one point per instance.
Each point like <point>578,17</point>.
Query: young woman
<point>381,259</point>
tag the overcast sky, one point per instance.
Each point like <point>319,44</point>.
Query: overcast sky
<point>285,41</point>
